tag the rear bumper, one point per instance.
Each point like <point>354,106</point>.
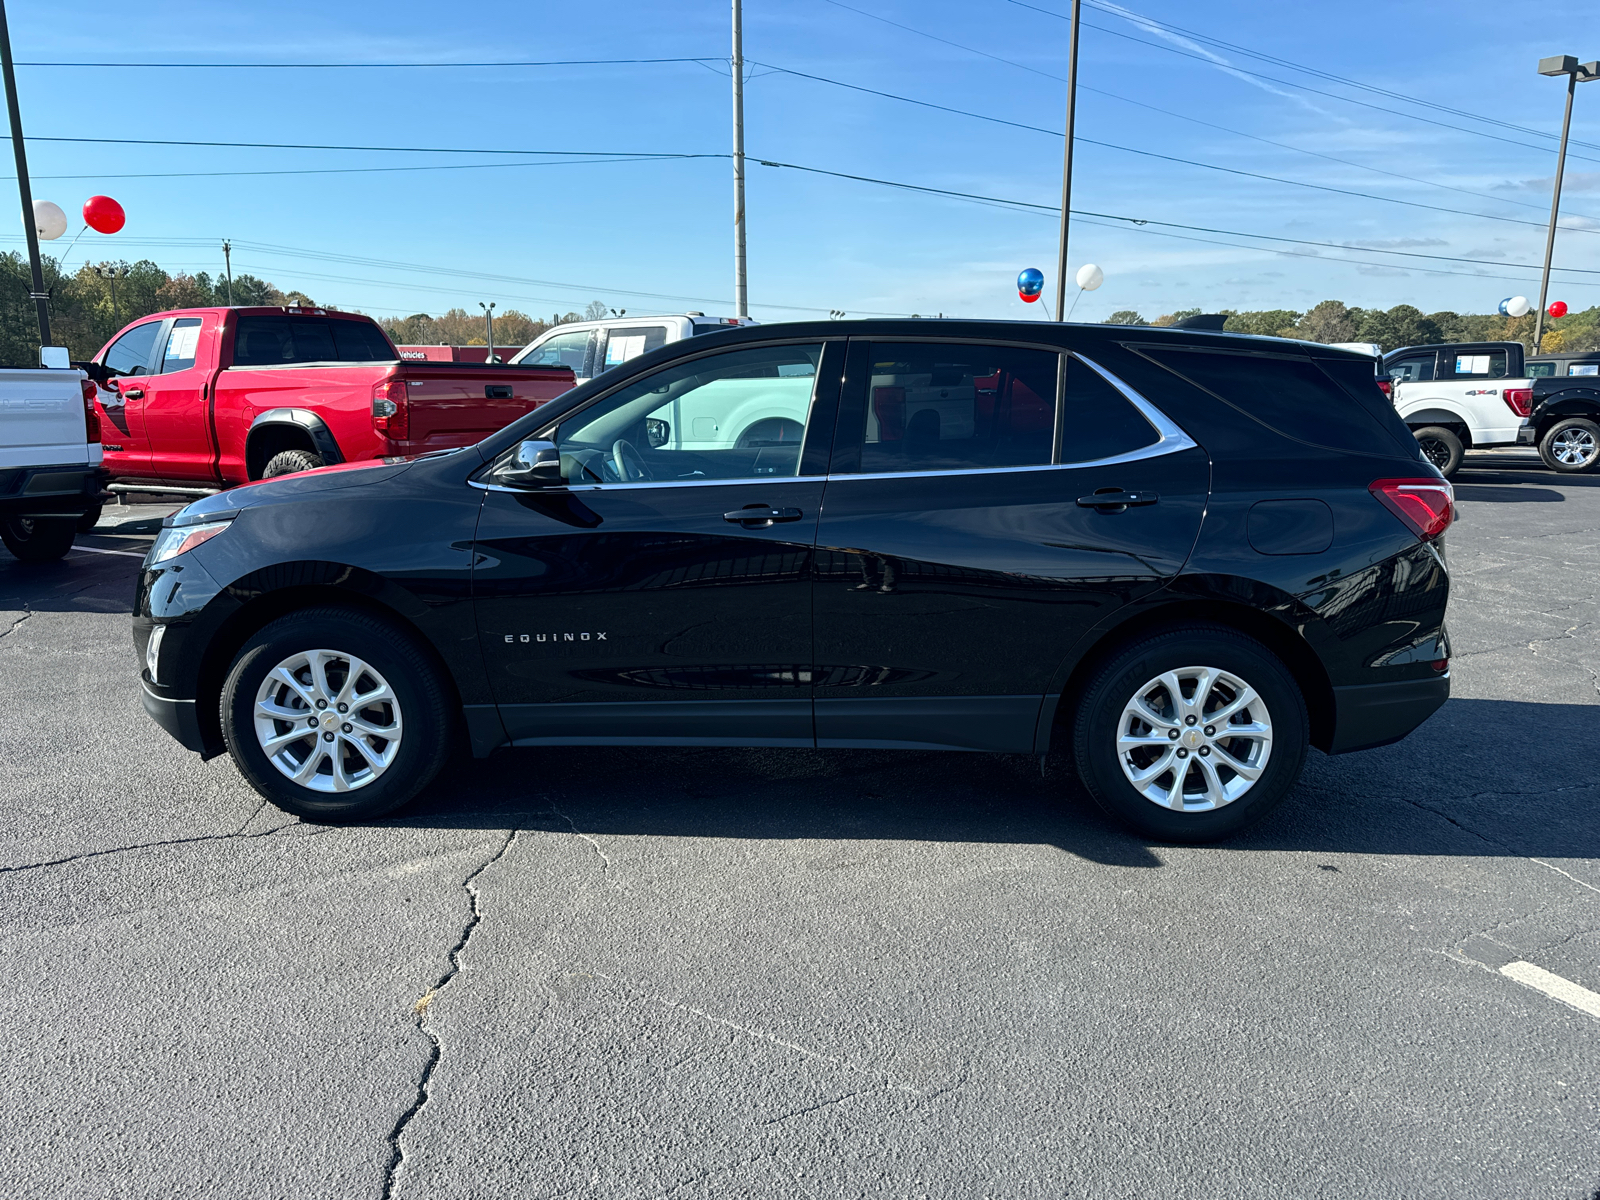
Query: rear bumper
<point>66,490</point>
<point>177,717</point>
<point>1377,714</point>
<point>1527,436</point>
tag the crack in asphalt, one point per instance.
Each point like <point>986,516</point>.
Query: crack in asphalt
<point>572,826</point>
<point>205,837</point>
<point>26,613</point>
<point>420,1016</point>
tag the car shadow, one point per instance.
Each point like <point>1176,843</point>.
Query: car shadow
<point>87,580</point>
<point>1501,494</point>
<point>1470,781</point>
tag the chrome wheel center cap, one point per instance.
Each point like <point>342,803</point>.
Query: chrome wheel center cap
<point>1192,738</point>
<point>330,719</point>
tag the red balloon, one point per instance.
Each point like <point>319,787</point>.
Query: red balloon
<point>1027,299</point>
<point>1558,308</point>
<point>103,214</point>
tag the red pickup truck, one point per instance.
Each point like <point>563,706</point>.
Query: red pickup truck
<point>221,396</point>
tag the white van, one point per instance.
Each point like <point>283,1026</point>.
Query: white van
<point>592,347</point>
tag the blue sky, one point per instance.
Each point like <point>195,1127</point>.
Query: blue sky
<point>656,236</point>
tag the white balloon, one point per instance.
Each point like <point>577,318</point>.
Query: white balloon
<point>1518,306</point>
<point>49,220</point>
<point>1090,277</point>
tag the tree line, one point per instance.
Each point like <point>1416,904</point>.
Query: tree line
<point>1402,325</point>
<point>89,306</point>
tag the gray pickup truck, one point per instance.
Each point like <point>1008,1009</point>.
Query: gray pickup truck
<point>50,473</point>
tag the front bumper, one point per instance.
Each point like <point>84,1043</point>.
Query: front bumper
<point>1376,714</point>
<point>177,717</point>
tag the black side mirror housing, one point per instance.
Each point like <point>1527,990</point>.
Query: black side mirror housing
<point>533,464</point>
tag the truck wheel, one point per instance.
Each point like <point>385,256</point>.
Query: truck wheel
<point>335,715</point>
<point>1571,446</point>
<point>1440,447</point>
<point>37,541</point>
<point>1190,735</point>
<point>287,462</point>
<point>89,519</point>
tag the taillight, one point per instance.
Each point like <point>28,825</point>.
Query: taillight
<point>1386,386</point>
<point>391,412</point>
<point>1424,506</point>
<point>1518,400</point>
<point>91,416</point>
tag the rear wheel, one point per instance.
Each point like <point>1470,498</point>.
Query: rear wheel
<point>42,539</point>
<point>335,715</point>
<point>1441,447</point>
<point>287,462</point>
<point>1191,735</point>
<point>90,519</point>
<point>1571,446</point>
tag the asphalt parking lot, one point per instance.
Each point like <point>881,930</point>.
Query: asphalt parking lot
<point>811,974</point>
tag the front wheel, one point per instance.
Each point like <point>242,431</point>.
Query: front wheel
<point>1571,446</point>
<point>290,462</point>
<point>335,715</point>
<point>38,540</point>
<point>1441,447</point>
<point>1191,735</point>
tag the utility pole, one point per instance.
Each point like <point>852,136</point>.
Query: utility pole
<point>227,258</point>
<point>113,273</point>
<point>741,298</point>
<point>1066,163</point>
<point>488,320</point>
<point>40,297</point>
<point>1560,64</point>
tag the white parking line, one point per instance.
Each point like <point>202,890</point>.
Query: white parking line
<point>1554,986</point>
<point>97,550</point>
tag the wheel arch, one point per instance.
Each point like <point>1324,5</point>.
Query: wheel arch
<point>1585,403</point>
<point>1270,630</point>
<point>268,604</point>
<point>1444,417</point>
<point>280,429</point>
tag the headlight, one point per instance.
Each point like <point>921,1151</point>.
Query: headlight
<point>180,539</point>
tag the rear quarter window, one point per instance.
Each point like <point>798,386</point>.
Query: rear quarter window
<point>272,340</point>
<point>1292,396</point>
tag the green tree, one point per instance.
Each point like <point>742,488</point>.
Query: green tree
<point>1173,318</point>
<point>1125,316</point>
<point>1271,322</point>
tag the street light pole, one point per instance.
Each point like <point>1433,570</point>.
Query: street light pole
<point>1560,64</point>
<point>741,299</point>
<point>1066,165</point>
<point>40,297</point>
<point>227,261</point>
<point>488,320</point>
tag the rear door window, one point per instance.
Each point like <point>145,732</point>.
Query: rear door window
<point>130,353</point>
<point>1098,422</point>
<point>181,343</point>
<point>949,406</point>
<point>1478,364</point>
<point>1290,395</point>
<point>623,344</point>
<point>1583,369</point>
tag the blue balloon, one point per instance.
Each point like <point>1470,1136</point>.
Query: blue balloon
<point>1030,282</point>
<point>1503,309</point>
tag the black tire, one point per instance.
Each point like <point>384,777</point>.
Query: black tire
<point>89,520</point>
<point>420,705</point>
<point>1441,447</point>
<point>1571,446</point>
<point>1098,723</point>
<point>35,541</point>
<point>287,462</point>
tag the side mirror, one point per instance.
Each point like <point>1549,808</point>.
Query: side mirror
<point>657,432</point>
<point>533,464</point>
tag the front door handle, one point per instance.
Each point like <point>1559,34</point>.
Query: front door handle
<point>1115,500</point>
<point>759,516</point>
<point>133,394</point>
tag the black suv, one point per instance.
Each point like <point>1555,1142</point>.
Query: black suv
<point>1184,557</point>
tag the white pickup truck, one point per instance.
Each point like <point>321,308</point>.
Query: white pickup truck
<point>50,473</point>
<point>1461,396</point>
<point>593,347</point>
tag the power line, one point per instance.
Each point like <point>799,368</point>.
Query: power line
<point>560,162</point>
<point>641,154</point>
<point>1056,133</point>
<point>1138,18</point>
<point>1252,74</point>
<point>342,66</point>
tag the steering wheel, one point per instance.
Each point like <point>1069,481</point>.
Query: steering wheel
<point>629,462</point>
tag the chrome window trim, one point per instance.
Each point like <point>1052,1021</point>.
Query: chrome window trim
<point>649,483</point>
<point>1163,424</point>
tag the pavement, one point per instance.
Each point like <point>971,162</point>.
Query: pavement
<point>696,973</point>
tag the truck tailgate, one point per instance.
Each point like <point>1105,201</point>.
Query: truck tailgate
<point>455,403</point>
<point>41,418</point>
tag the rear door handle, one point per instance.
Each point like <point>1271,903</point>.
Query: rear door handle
<point>761,515</point>
<point>1112,500</point>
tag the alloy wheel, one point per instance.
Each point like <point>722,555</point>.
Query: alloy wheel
<point>327,721</point>
<point>1574,447</point>
<point>1194,739</point>
<point>1435,452</point>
